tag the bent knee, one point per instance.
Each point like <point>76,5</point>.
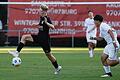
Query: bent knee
<point>104,57</point>
<point>112,62</point>
<point>24,37</point>
<point>27,38</point>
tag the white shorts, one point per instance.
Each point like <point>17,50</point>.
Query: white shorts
<point>110,51</point>
<point>88,35</point>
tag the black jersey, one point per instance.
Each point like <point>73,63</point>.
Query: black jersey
<point>44,28</point>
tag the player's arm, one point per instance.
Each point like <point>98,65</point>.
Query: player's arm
<point>91,29</point>
<point>113,38</point>
<point>36,25</point>
<point>49,24</point>
<point>111,34</point>
<point>85,26</point>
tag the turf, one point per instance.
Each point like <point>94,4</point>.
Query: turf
<point>35,66</point>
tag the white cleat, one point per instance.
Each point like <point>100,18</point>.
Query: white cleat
<point>119,59</point>
<point>105,76</point>
<point>58,70</point>
<point>91,56</point>
<point>14,53</point>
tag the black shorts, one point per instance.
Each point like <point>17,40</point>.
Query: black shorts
<point>43,41</point>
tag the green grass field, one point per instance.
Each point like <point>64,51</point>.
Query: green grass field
<point>35,66</point>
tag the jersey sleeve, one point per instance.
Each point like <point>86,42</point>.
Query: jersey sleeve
<point>106,27</point>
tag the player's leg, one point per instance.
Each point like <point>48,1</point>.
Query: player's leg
<point>23,41</point>
<point>104,58</point>
<point>107,62</point>
<point>94,45</point>
<point>53,60</point>
<point>91,47</point>
<point>113,63</point>
<point>110,58</point>
<point>106,67</point>
<point>91,44</point>
<point>113,59</point>
<point>51,57</point>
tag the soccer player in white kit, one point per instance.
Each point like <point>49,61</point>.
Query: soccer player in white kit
<point>109,57</point>
<point>90,32</point>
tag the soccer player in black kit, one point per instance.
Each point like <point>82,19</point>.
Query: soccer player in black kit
<point>42,38</point>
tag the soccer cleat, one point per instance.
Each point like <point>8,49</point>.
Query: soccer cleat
<point>106,75</point>
<point>119,59</point>
<point>91,56</point>
<point>14,53</point>
<point>57,70</point>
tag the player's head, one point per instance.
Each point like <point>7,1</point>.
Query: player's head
<point>98,19</point>
<point>90,14</point>
<point>44,8</point>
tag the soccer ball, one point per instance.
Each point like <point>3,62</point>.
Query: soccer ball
<point>44,7</point>
<point>16,61</point>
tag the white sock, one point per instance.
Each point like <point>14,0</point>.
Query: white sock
<point>107,69</point>
<point>91,53</point>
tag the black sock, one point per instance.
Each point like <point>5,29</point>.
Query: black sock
<point>20,46</point>
<point>110,74</point>
<point>55,64</point>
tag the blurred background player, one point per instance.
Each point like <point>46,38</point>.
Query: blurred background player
<point>42,38</point>
<point>109,56</point>
<point>90,32</point>
<point>0,25</point>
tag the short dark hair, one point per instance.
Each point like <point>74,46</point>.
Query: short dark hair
<point>98,18</point>
<point>90,11</point>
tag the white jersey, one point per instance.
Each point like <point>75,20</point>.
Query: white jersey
<point>104,28</point>
<point>89,24</point>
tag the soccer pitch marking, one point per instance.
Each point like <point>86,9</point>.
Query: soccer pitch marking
<point>54,50</point>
